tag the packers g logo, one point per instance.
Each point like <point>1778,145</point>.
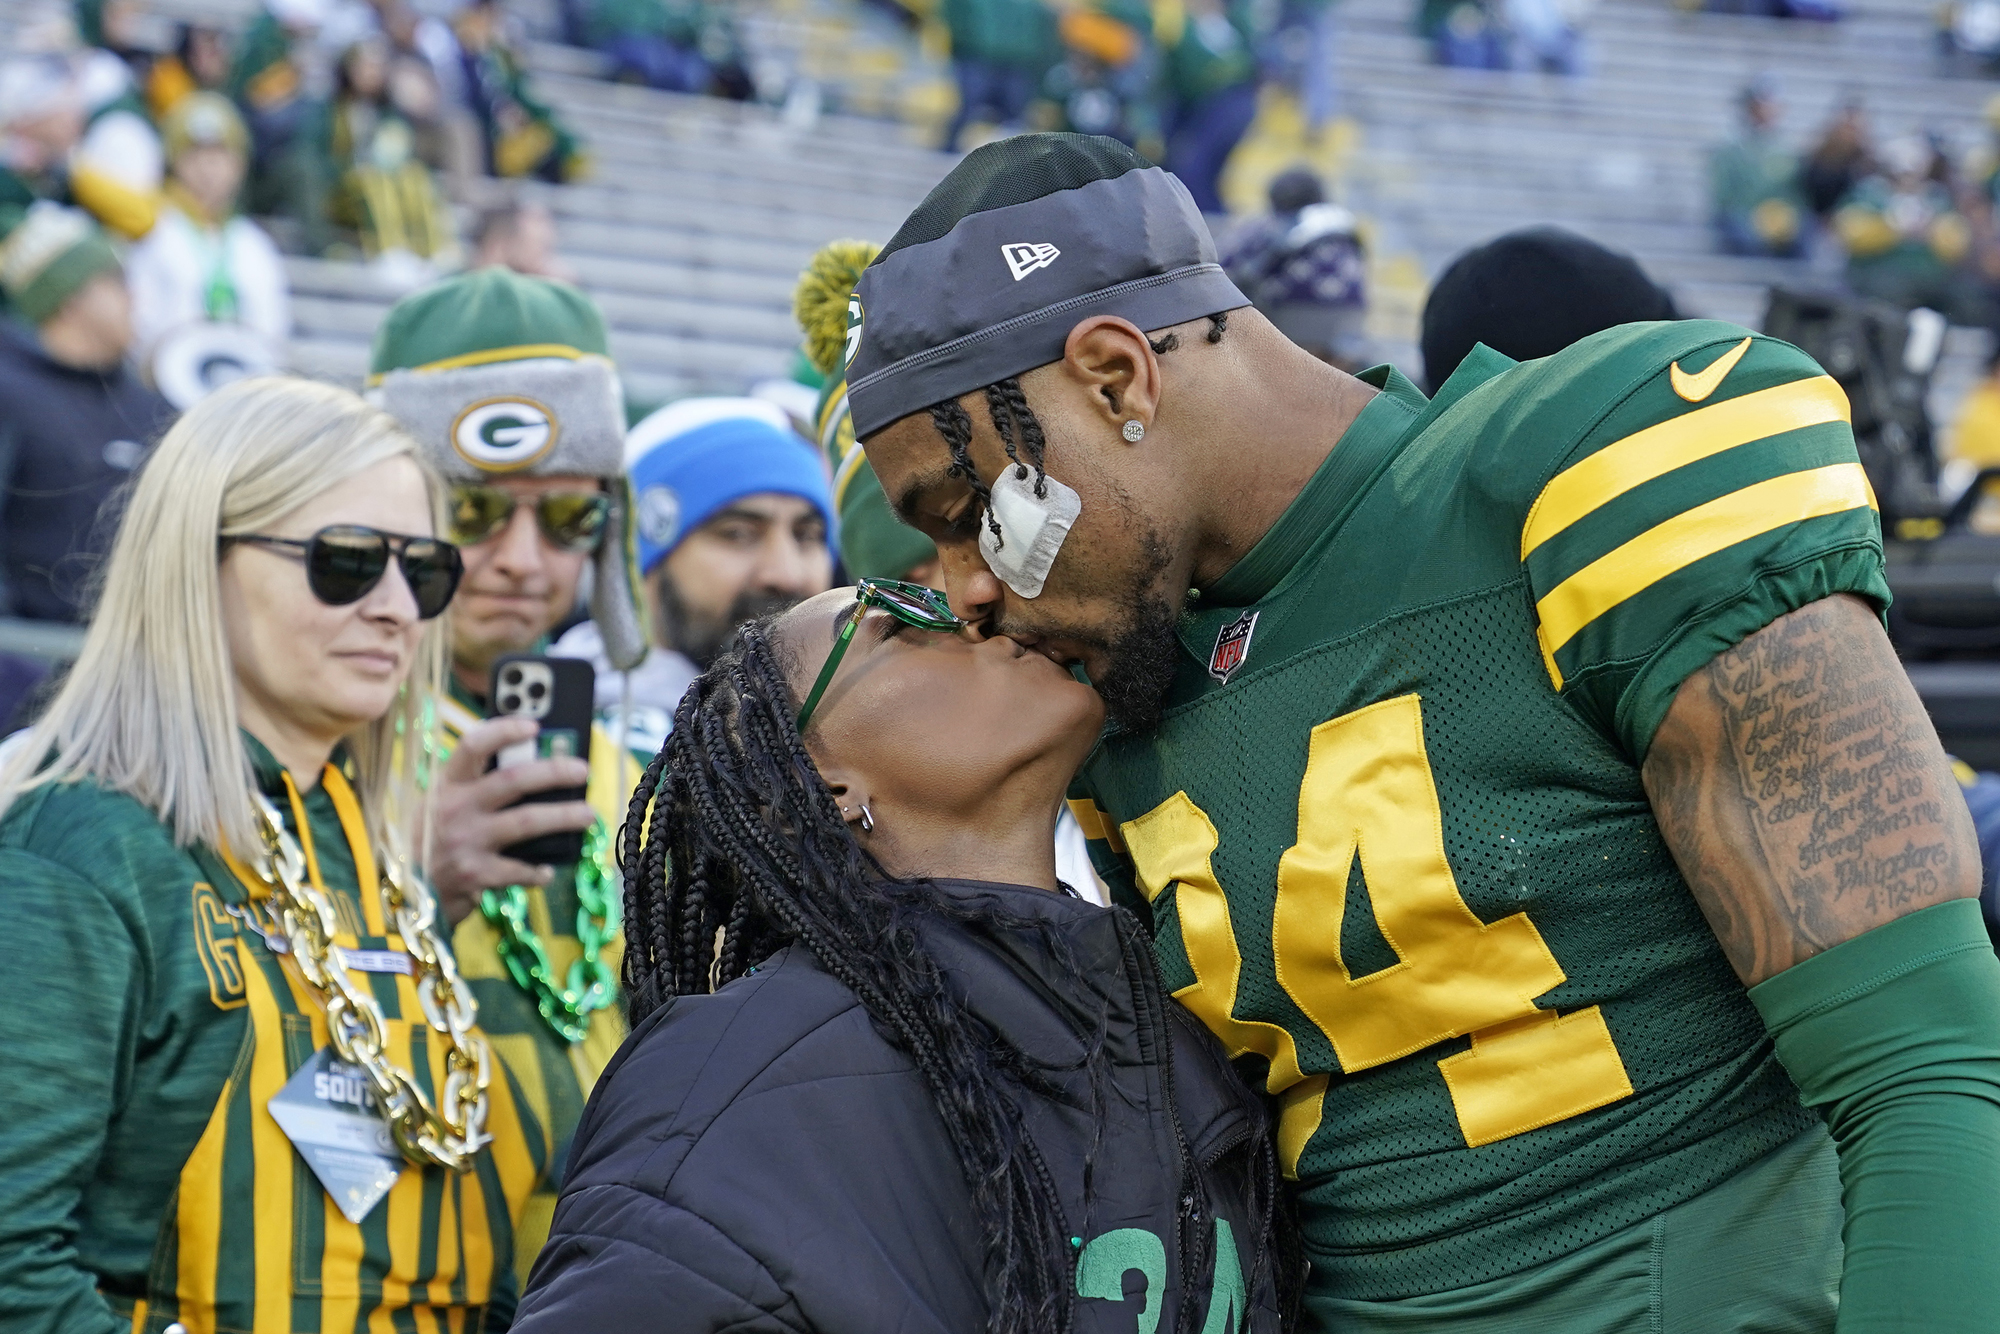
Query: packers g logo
<point>855,317</point>
<point>504,434</point>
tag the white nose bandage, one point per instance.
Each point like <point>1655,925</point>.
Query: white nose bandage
<point>1032,529</point>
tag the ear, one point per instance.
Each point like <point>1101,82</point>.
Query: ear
<point>850,791</point>
<point>1111,358</point>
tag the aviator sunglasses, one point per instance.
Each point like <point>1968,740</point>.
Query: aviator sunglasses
<point>912,604</point>
<point>570,520</point>
<point>347,560</point>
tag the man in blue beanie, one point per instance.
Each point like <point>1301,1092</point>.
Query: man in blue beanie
<point>734,514</point>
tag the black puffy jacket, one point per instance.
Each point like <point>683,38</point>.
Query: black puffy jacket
<point>763,1159</point>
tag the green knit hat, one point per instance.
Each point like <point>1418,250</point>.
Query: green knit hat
<point>496,373</point>
<point>49,257</point>
<point>485,316</point>
<point>874,543</point>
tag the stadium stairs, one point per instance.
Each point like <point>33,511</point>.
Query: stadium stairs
<point>1448,158</point>
<point>699,213</point>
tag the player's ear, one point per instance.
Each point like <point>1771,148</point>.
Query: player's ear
<point>1111,358</point>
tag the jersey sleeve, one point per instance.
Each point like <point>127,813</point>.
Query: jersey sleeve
<point>1720,491</point>
<point>70,1019</point>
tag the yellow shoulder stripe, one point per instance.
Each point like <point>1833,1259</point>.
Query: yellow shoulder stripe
<point>1590,483</point>
<point>1096,825</point>
<point>1684,539</point>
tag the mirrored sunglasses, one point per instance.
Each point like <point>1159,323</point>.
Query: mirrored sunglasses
<point>570,520</point>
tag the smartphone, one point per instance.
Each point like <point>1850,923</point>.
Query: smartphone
<point>556,693</point>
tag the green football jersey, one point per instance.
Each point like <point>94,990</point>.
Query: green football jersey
<point>1391,831</point>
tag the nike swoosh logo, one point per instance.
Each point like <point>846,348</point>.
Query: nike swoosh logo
<point>1694,388</point>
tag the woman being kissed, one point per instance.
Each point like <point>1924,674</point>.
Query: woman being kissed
<point>886,1072</point>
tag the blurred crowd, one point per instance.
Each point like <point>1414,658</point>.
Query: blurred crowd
<point>134,154</point>
<point>1547,35</point>
<point>1178,81</point>
<point>1905,219</point>
<point>350,125</point>
<point>155,176</point>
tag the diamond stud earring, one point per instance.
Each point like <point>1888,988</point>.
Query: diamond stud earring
<point>1134,431</point>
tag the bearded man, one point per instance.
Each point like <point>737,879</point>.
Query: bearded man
<point>734,522</point>
<point>1519,782</point>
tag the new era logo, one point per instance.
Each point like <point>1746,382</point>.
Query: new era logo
<point>1024,257</point>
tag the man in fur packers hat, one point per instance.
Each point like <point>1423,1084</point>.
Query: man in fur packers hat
<point>506,382</point>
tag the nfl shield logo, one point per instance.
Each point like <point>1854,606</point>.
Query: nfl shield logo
<point>1232,646</point>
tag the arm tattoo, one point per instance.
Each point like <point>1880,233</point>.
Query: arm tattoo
<point>1803,792</point>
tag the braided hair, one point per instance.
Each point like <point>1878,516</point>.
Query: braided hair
<point>1019,429</point>
<point>744,851</point>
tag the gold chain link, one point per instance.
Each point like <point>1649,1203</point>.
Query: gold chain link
<point>303,914</point>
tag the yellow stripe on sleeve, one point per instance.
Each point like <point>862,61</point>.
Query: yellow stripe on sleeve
<point>1686,538</point>
<point>1590,483</point>
<point>1091,818</point>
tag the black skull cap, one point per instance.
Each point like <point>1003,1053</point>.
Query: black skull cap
<point>1026,237</point>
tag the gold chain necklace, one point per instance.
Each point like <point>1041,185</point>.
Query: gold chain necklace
<point>302,914</point>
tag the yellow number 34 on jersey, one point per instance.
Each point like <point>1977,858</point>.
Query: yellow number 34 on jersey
<point>1368,792</point>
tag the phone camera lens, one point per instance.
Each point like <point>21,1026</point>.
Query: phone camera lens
<point>511,677</point>
<point>510,703</point>
<point>536,690</point>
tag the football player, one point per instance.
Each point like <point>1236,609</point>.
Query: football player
<point>1519,781</point>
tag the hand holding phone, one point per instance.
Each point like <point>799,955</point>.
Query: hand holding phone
<point>555,693</point>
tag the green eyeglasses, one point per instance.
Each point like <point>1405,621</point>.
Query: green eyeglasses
<point>912,604</point>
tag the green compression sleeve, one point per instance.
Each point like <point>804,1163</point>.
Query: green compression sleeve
<point>1895,1036</point>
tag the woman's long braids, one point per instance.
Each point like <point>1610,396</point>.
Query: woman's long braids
<point>1019,429</point>
<point>733,847</point>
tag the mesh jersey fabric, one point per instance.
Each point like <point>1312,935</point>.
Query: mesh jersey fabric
<point>1761,1252</point>
<point>1420,745</point>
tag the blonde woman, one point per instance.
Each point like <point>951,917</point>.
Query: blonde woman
<point>243,1088</point>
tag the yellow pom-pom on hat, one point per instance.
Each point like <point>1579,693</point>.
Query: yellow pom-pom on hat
<point>819,303</point>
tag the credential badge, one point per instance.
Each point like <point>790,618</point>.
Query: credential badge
<point>1232,646</point>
